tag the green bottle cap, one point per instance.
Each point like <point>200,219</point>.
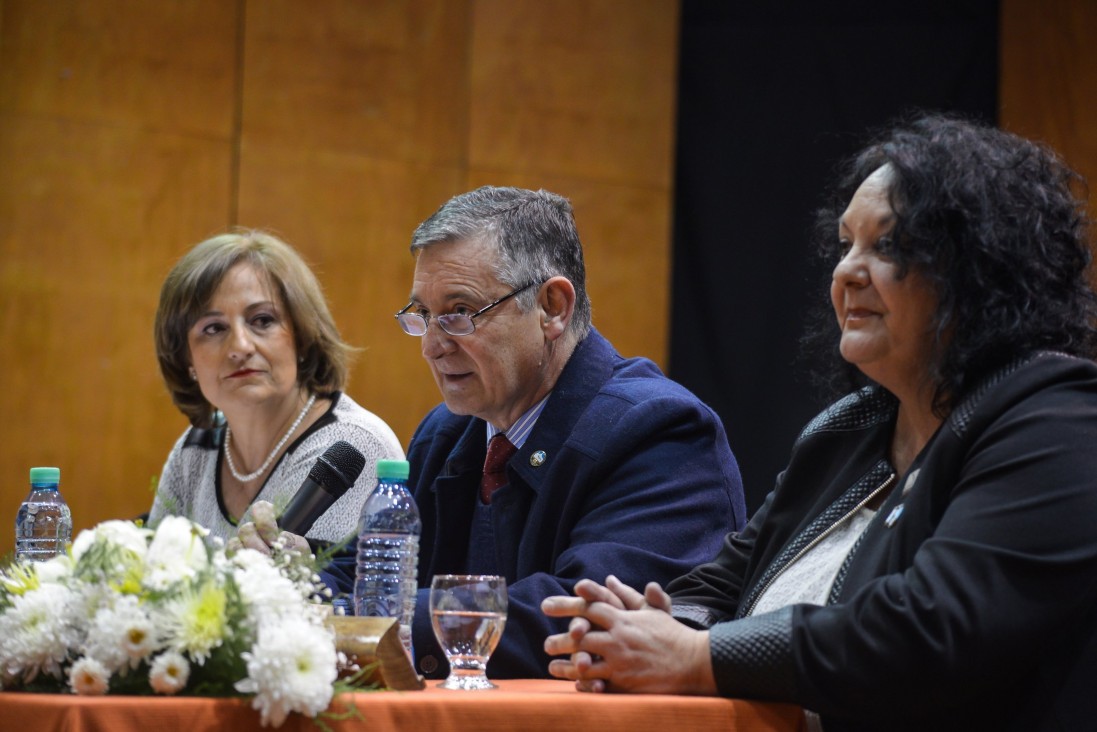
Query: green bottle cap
<point>392,469</point>
<point>39,476</point>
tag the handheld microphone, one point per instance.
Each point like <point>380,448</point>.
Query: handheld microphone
<point>334,472</point>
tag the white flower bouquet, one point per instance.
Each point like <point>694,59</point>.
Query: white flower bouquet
<point>137,611</point>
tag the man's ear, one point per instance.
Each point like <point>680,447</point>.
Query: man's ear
<point>557,302</point>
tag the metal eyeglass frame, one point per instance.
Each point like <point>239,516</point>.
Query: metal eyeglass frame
<point>412,322</point>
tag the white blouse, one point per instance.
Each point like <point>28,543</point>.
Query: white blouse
<point>809,578</point>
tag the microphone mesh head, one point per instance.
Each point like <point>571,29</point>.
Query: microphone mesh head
<point>338,467</point>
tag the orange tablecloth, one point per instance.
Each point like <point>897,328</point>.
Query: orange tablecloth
<point>528,705</point>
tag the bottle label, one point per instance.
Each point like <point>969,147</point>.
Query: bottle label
<point>42,530</point>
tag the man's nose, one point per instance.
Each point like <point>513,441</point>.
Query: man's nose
<point>436,342</point>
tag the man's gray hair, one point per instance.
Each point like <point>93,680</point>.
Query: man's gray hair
<point>533,233</point>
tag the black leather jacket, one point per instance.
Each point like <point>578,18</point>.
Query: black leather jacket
<point>970,602</point>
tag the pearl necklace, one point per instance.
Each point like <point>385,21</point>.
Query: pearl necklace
<point>266,463</point>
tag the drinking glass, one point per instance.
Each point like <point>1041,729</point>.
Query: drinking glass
<point>468,612</point>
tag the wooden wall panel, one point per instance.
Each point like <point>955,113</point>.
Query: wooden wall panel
<point>114,149</point>
<point>354,130</point>
<point>351,217</point>
<point>383,79</point>
<point>461,94</point>
<point>579,98</point>
<point>166,65</point>
<point>131,130</point>
<point>584,89</point>
<point>1049,77</point>
<point>90,226</point>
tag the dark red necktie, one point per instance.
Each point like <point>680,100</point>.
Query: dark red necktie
<point>500,450</point>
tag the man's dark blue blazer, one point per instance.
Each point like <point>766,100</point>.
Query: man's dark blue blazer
<point>637,480</point>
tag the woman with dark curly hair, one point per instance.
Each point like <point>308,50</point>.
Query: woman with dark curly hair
<point>927,559</point>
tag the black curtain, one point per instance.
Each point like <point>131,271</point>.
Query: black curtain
<point>771,97</point>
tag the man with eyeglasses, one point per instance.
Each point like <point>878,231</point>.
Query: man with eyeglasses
<point>553,458</point>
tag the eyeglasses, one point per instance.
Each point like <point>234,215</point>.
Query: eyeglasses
<point>456,324</point>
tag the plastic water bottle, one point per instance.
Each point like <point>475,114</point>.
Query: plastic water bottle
<point>43,526</point>
<point>386,578</point>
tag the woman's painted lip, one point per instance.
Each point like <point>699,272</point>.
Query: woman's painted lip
<point>242,372</point>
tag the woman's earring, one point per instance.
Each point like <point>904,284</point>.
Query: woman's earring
<point>193,374</point>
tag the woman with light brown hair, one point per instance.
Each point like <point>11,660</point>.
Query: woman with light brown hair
<point>251,355</point>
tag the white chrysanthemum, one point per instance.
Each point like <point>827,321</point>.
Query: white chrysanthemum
<point>87,676</point>
<point>88,597</point>
<point>140,639</point>
<point>169,673</point>
<point>124,534</point>
<point>291,668</point>
<point>268,594</point>
<point>194,622</point>
<point>111,556</point>
<point>56,571</point>
<point>177,553</point>
<point>121,635</point>
<point>248,559</point>
<point>36,633</point>
<point>18,578</point>
<point>127,596</point>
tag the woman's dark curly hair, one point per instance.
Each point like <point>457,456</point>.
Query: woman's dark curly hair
<point>991,220</point>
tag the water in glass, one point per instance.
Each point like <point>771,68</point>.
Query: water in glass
<point>468,613</point>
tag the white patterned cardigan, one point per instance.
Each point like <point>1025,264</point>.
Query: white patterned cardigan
<point>190,483</point>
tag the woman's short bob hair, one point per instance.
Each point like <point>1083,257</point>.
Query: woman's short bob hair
<point>323,357</point>
<point>994,224</point>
